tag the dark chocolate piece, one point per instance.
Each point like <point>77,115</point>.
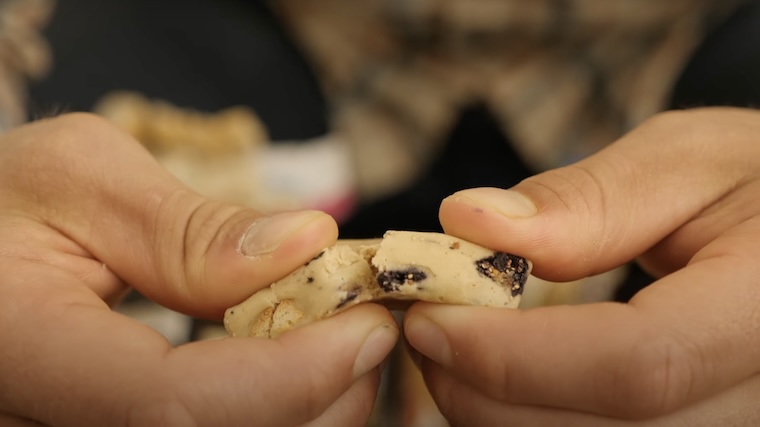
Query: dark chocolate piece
<point>318,256</point>
<point>392,280</point>
<point>350,296</point>
<point>505,269</point>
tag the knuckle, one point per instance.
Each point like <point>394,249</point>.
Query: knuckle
<point>184,226</point>
<point>684,133</point>
<point>58,143</point>
<point>654,379</point>
<point>311,400</point>
<point>666,119</point>
<point>76,129</point>
<point>581,194</point>
<point>81,120</point>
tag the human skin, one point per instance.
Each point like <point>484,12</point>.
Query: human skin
<point>681,193</point>
<point>86,213</point>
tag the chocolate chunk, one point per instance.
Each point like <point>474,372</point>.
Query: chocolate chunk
<point>350,296</point>
<point>318,256</point>
<point>309,280</point>
<point>391,280</point>
<point>505,269</point>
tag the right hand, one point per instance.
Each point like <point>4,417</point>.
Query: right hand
<point>680,192</point>
<point>85,213</point>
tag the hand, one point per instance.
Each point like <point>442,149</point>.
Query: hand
<point>86,212</point>
<point>682,193</point>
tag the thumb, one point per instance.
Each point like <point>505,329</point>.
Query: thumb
<point>101,189</point>
<point>599,213</point>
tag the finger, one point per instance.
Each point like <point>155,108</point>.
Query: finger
<point>9,421</point>
<point>463,406</point>
<point>679,247</point>
<point>354,407</point>
<point>668,348</point>
<point>599,213</point>
<point>136,378</point>
<point>100,188</point>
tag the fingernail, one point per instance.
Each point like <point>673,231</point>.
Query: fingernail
<point>376,348</point>
<point>509,203</point>
<point>266,234</point>
<point>429,339</point>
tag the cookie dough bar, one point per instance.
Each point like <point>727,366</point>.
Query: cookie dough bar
<point>403,267</point>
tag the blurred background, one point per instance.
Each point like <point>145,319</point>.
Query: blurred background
<point>374,110</point>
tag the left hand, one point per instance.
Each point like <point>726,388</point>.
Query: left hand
<point>681,193</point>
<point>85,211</point>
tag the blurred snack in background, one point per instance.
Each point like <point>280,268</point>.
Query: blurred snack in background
<point>227,155</point>
<point>164,128</point>
<point>24,55</point>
